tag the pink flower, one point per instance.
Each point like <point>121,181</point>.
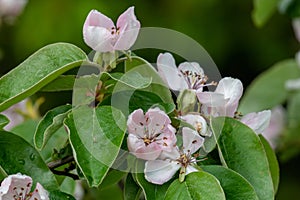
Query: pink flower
<point>150,134</point>
<point>163,169</point>
<point>17,186</point>
<point>100,33</point>
<point>224,100</point>
<point>11,8</point>
<point>188,75</point>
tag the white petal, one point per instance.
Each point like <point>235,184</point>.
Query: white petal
<point>160,171</point>
<point>257,121</point>
<point>39,193</point>
<point>277,122</point>
<point>296,26</point>
<point>190,169</point>
<point>192,141</point>
<point>98,38</point>
<point>192,67</point>
<point>169,73</point>
<point>197,122</point>
<point>232,90</point>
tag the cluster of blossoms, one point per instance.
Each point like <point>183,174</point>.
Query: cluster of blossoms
<point>151,136</point>
<point>18,187</point>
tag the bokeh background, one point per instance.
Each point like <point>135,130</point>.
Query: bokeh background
<point>224,28</point>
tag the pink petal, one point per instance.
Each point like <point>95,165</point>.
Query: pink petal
<point>136,123</point>
<point>169,73</point>
<point>192,141</point>
<point>167,139</point>
<point>97,31</point>
<point>129,28</point>
<point>160,171</point>
<point>15,184</point>
<point>39,193</point>
<point>190,169</point>
<point>257,121</point>
<point>138,148</point>
<point>157,121</point>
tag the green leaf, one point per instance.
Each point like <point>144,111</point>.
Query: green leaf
<point>293,108</point>
<point>263,10</point>
<point>61,83</point>
<point>112,178</point>
<point>151,191</point>
<point>244,153</point>
<point>17,155</point>
<point>197,186</point>
<point>95,136</point>
<point>131,190</point>
<point>49,124</point>
<point>3,121</point>
<point>38,70</point>
<point>234,185</point>
<point>56,194</point>
<point>268,89</point>
<point>273,163</point>
<point>290,7</point>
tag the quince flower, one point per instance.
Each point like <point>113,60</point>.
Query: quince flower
<point>163,169</point>
<point>150,134</point>
<point>258,122</point>
<point>17,187</point>
<point>188,75</point>
<point>100,33</point>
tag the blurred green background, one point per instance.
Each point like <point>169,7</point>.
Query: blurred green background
<point>224,29</point>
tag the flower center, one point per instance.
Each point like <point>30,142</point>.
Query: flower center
<point>196,81</point>
<point>115,30</point>
<point>186,159</point>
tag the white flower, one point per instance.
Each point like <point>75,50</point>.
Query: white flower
<point>17,187</point>
<point>224,100</point>
<point>188,75</point>
<point>163,169</point>
<point>198,122</point>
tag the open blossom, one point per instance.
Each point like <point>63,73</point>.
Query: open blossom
<point>17,187</point>
<point>150,133</point>
<point>188,75</point>
<point>163,169</point>
<point>224,100</point>
<point>198,122</point>
<point>102,35</point>
<point>11,8</point>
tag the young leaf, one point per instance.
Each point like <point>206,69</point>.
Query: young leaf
<point>244,153</point>
<point>50,123</point>
<point>268,89</point>
<point>131,190</point>
<point>3,121</point>
<point>234,185</point>
<point>263,10</point>
<point>38,70</point>
<point>273,163</point>
<point>17,155</point>
<point>96,136</point>
<point>56,194</point>
<point>197,185</point>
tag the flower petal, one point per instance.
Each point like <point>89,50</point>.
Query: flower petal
<point>169,73</point>
<point>192,67</point>
<point>97,31</point>
<point>296,26</point>
<point>39,193</point>
<point>129,28</point>
<point>197,122</point>
<point>136,122</point>
<point>160,171</point>
<point>257,121</point>
<point>192,141</point>
<point>167,139</point>
<point>232,90</point>
<point>190,169</point>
